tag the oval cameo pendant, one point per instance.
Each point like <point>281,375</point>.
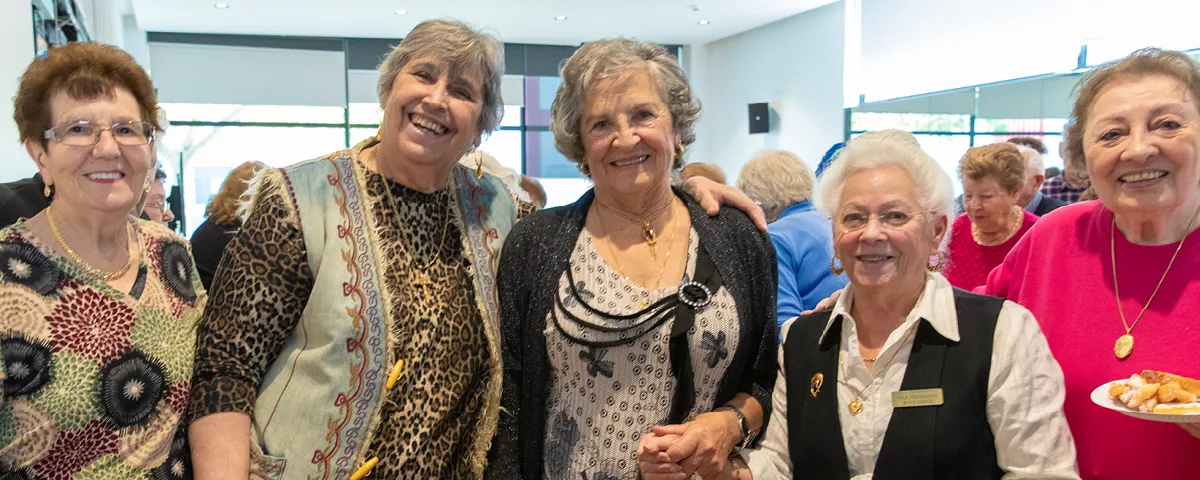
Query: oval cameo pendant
<point>1124,346</point>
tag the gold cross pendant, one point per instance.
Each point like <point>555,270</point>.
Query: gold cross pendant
<point>422,280</point>
<point>651,238</point>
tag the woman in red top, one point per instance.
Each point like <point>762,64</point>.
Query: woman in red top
<point>993,223</point>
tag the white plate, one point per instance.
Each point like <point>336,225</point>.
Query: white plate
<point>1100,397</point>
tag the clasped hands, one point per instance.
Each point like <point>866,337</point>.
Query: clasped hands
<point>700,448</point>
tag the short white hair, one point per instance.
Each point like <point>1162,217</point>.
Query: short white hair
<point>778,179</point>
<point>1034,163</point>
<point>882,148</point>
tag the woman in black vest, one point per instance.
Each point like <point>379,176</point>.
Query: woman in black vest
<point>908,377</point>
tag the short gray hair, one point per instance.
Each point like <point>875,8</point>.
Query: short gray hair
<point>610,57</point>
<point>889,147</point>
<point>464,50</point>
<point>778,179</point>
<point>1034,163</point>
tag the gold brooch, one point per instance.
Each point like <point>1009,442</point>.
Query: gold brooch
<point>814,385</point>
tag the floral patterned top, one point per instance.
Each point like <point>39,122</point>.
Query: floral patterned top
<point>95,379</point>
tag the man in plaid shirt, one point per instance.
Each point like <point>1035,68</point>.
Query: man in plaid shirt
<point>1071,184</point>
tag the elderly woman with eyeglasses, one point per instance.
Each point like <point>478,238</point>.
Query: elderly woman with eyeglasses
<point>908,377</point>
<point>97,308</point>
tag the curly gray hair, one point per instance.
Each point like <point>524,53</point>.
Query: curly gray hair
<point>604,59</point>
<point>464,49</point>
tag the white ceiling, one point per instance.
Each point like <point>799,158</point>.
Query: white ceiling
<point>515,21</point>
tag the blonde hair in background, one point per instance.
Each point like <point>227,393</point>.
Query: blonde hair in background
<point>777,179</point>
<point>706,170</point>
<point>1000,161</point>
<point>223,207</point>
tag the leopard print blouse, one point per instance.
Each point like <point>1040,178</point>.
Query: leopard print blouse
<point>429,421</point>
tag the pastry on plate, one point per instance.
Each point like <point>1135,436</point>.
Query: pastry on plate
<point>1158,392</point>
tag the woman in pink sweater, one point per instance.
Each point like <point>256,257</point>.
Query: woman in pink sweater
<point>1124,267</point>
<point>992,177</point>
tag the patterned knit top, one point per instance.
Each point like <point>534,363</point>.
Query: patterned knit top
<point>969,262</point>
<point>95,380</point>
<point>601,400</point>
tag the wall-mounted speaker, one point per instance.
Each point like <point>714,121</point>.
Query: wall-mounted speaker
<point>760,118</point>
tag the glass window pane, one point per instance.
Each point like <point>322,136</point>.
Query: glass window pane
<point>512,116</point>
<point>211,112</point>
<point>1020,125</point>
<point>539,94</point>
<point>365,114</point>
<point>561,191</point>
<point>947,150</point>
<point>1051,159</point>
<point>543,160</point>
<point>505,145</point>
<point>209,153</point>
<point>357,135</point>
<point>910,122</point>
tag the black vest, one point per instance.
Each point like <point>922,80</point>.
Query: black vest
<point>951,441</point>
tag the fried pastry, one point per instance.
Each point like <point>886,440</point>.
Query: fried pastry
<point>1158,392</point>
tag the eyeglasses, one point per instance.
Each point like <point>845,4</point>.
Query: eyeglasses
<point>85,134</point>
<point>890,220</point>
<point>156,206</point>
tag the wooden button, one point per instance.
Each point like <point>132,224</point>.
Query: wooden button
<point>365,469</point>
<point>395,373</point>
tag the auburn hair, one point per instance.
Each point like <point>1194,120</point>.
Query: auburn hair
<point>84,71</point>
<point>223,207</point>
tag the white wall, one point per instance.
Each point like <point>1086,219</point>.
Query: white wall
<point>796,65</point>
<point>910,47</point>
<point>16,51</point>
<point>185,73</point>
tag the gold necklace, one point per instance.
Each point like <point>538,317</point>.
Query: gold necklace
<point>93,271</point>
<point>666,259</point>
<point>647,230</point>
<point>421,274</point>
<point>856,406</point>
<point>1016,225</point>
<point>1124,345</point>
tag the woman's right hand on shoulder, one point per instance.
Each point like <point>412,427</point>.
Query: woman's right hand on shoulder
<point>825,304</point>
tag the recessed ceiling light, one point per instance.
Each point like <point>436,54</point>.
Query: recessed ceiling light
<point>560,17</point>
<point>401,12</point>
<point>221,5</point>
<point>703,22</point>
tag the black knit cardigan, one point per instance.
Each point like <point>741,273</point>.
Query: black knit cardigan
<point>536,254</point>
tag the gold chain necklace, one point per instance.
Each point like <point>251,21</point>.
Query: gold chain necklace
<point>93,271</point>
<point>421,273</point>
<point>666,259</point>
<point>1124,345</point>
<point>647,230</point>
<point>1016,225</point>
<point>856,406</point>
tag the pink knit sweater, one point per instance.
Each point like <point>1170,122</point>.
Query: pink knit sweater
<point>968,262</point>
<point>1062,272</point>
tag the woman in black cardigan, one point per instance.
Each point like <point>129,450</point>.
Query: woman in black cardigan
<point>638,332</point>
